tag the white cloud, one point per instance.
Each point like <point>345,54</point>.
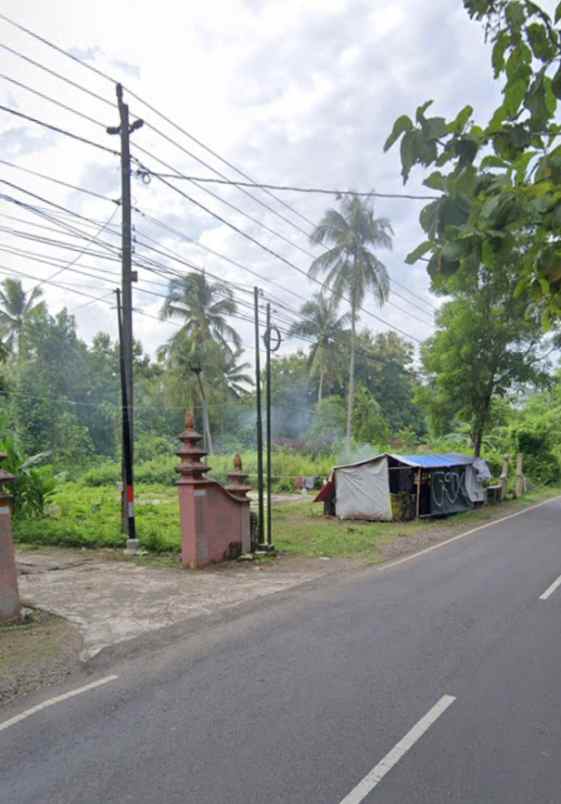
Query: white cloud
<point>295,92</point>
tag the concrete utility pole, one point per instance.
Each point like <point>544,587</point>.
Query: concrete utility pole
<point>259,422</point>
<point>128,276</point>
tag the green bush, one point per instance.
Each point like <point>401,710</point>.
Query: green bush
<point>543,469</point>
<point>81,516</point>
<point>33,485</point>
<point>102,474</point>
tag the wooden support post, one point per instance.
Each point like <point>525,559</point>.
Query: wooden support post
<point>418,493</point>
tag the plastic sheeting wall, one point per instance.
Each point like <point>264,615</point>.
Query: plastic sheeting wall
<point>363,492</point>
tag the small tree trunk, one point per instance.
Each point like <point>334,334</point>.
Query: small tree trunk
<point>351,393</point>
<point>320,386</point>
<point>477,442</point>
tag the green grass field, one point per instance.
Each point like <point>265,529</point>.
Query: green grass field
<point>81,516</point>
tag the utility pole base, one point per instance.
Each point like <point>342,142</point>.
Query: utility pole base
<point>133,547</point>
<point>266,550</point>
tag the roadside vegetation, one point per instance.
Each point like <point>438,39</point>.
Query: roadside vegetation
<point>486,381</point>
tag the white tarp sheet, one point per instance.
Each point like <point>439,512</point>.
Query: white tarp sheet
<point>477,474</point>
<point>363,491</point>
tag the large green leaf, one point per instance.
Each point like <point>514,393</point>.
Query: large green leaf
<point>428,218</point>
<point>418,252</point>
<point>540,42</point>
<point>420,113</point>
<point>515,14</point>
<point>401,125</point>
<point>515,92</point>
<point>536,102</point>
<point>413,148</point>
<point>458,124</point>
<point>501,44</point>
<point>466,149</point>
<point>435,181</point>
<point>434,128</point>
<point>556,83</point>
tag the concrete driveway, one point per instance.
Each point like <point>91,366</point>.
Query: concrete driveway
<point>115,600</point>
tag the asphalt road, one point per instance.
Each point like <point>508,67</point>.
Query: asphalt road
<point>332,694</point>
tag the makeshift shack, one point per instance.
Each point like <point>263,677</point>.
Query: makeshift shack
<point>389,486</point>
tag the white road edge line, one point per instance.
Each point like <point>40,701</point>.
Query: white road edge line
<point>430,549</point>
<point>378,772</point>
<point>551,589</point>
<point>51,701</point>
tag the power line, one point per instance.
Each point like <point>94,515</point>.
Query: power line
<point>40,66</point>
<point>274,254</point>
<point>53,100</point>
<point>170,122</point>
<point>59,182</point>
<point>59,130</point>
<point>286,188</point>
<point>271,231</point>
<point>145,171</point>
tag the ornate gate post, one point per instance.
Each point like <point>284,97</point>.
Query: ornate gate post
<point>192,487</point>
<point>9,597</point>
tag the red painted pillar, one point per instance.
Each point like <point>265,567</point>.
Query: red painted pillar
<point>238,487</point>
<point>193,497</point>
<point>9,597</point>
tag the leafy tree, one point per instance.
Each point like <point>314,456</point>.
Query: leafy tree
<point>499,183</point>
<point>487,343</point>
<point>320,322</point>
<point>384,365</point>
<point>16,307</point>
<point>370,427</point>
<point>352,268</point>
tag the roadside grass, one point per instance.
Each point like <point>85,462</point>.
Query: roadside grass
<point>82,516</point>
<point>301,528</point>
<point>85,516</point>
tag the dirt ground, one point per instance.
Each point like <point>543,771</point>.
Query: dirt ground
<point>43,651</point>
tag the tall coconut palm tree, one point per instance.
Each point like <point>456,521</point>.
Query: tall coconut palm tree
<point>236,377</point>
<point>16,306</point>
<point>203,307</point>
<point>320,322</point>
<point>351,267</point>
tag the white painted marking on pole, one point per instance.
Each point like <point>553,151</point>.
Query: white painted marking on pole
<point>51,701</point>
<point>551,589</point>
<point>372,779</point>
<point>433,547</point>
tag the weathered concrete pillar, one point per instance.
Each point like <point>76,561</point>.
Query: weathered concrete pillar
<point>504,479</point>
<point>238,487</point>
<point>520,488</point>
<point>193,489</point>
<point>10,610</point>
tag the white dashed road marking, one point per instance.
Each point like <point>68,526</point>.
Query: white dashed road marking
<point>51,701</point>
<point>378,772</point>
<point>551,589</point>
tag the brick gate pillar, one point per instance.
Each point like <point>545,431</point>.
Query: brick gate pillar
<point>238,487</point>
<point>9,597</point>
<point>192,486</point>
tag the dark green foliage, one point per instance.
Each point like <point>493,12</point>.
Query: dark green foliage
<point>34,484</point>
<point>497,208</point>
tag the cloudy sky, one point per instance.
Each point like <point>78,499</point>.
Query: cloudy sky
<point>297,92</point>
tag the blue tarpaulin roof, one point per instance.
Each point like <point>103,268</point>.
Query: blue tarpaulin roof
<point>435,460</point>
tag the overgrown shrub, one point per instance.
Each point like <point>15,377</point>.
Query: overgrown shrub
<point>33,485</point>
